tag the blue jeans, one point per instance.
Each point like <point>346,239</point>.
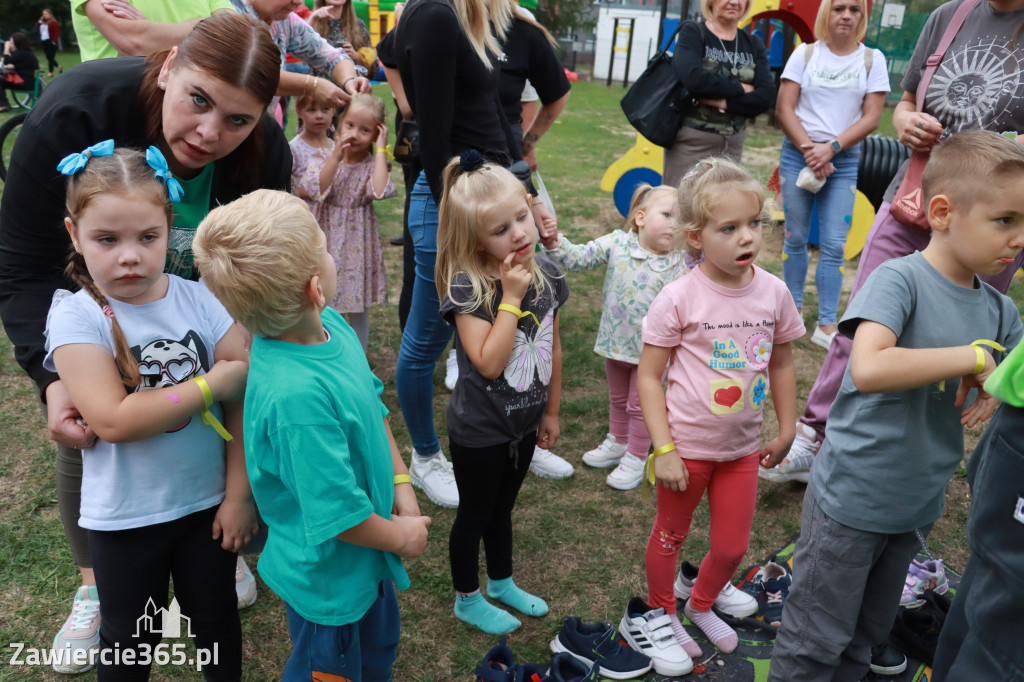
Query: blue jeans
<point>426,334</point>
<point>835,210</point>
<point>363,651</point>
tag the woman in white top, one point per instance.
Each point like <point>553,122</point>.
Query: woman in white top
<point>830,98</point>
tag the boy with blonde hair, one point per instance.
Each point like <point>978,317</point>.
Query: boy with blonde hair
<point>325,471</point>
<point>926,332</point>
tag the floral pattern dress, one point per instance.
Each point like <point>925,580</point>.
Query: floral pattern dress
<point>345,213</point>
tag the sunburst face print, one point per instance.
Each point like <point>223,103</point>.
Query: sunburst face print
<point>975,85</point>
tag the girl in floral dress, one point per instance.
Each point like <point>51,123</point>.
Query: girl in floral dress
<point>641,260</point>
<point>340,179</point>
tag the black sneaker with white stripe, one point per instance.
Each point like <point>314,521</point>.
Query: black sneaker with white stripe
<point>649,631</point>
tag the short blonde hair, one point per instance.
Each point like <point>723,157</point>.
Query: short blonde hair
<point>962,164</point>
<point>821,21</point>
<point>704,186</point>
<point>257,255</point>
<point>705,9</point>
<point>468,197</point>
<point>643,196</point>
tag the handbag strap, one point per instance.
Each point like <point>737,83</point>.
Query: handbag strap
<point>952,28</point>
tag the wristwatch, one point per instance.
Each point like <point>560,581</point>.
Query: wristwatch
<point>836,146</point>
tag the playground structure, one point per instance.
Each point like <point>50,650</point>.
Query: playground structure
<point>379,15</point>
<point>644,162</point>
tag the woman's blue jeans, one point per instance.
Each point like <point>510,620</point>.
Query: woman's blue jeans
<point>835,211</point>
<point>426,334</point>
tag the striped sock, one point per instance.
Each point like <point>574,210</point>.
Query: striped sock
<point>691,648</point>
<point>716,629</point>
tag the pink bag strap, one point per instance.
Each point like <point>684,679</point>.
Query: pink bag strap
<point>947,38</point>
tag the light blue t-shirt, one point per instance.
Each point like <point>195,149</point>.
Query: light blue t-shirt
<point>887,457</point>
<point>181,471</point>
<point>319,462</point>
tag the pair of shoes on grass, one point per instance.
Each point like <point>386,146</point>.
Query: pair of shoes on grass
<point>629,469</point>
<point>499,665</point>
<point>596,645</point>
<point>475,610</point>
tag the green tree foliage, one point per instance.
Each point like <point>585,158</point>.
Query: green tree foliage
<point>22,15</point>
<point>564,17</point>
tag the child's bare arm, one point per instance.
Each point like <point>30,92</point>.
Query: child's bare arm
<point>405,497</point>
<point>380,163</point>
<point>92,380</point>
<point>877,365</point>
<point>668,468</point>
<point>782,374</point>
<point>405,536</point>
<point>489,345</point>
<point>235,520</point>
<point>330,168</point>
<point>549,429</point>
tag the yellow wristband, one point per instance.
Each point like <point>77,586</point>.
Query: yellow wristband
<point>649,464</point>
<point>979,366</point>
<point>205,388</point>
<point>386,151</point>
<point>509,308</point>
<point>402,478</point>
<point>205,413</point>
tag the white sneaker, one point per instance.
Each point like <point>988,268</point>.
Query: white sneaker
<point>547,464</point>
<point>820,338</point>
<point>731,601</point>
<point>451,370</point>
<point>81,632</point>
<point>628,474</point>
<point>649,631</point>
<point>797,465</point>
<point>606,454</point>
<point>436,478</point>
<point>245,584</point>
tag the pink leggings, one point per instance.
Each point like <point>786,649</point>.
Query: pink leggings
<point>625,420</point>
<point>732,493</point>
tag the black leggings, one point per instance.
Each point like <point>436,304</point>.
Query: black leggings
<point>133,566</point>
<point>488,480</point>
<point>50,50</point>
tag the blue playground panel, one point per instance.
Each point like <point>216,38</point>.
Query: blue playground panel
<point>628,183</point>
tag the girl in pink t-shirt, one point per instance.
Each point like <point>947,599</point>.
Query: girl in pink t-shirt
<point>724,331</point>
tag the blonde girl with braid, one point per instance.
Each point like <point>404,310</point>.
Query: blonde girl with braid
<point>157,369</point>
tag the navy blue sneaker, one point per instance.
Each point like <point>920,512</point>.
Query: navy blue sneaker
<point>568,668</point>
<point>531,672</point>
<point>596,643</point>
<point>498,665</point>
<point>773,582</point>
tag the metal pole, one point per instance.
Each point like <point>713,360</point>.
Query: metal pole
<point>661,23</point>
<point>629,53</point>
<point>611,53</point>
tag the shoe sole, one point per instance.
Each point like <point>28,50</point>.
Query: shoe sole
<point>668,670</point>
<point>776,477</point>
<point>418,482</point>
<point>75,670</point>
<point>559,648</point>
<point>536,471</point>
<point>600,464</point>
<point>889,671</point>
<point>629,486</point>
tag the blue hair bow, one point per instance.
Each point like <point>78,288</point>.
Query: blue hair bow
<point>72,163</point>
<point>156,161</point>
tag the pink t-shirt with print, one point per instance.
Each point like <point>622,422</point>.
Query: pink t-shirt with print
<point>721,341</point>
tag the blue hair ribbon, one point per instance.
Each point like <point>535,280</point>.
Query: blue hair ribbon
<point>72,163</point>
<point>156,161</point>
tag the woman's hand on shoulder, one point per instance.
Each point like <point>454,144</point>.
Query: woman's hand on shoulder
<point>515,278</point>
<point>670,471</point>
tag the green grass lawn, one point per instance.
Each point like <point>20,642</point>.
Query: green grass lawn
<point>579,544</point>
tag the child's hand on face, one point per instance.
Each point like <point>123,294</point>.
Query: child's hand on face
<point>382,136</point>
<point>227,379</point>
<point>414,530</point>
<point>670,471</point>
<point>235,521</point>
<point>776,450</point>
<point>984,405</point>
<point>515,279</point>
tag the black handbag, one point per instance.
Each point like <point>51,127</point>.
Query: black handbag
<point>657,100</point>
<point>407,142</point>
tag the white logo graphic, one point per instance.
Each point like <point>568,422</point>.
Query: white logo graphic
<point>166,622</point>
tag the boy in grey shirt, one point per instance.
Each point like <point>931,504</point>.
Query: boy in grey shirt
<point>925,333</point>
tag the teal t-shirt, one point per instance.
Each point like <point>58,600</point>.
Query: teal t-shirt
<point>319,463</point>
<point>188,213</point>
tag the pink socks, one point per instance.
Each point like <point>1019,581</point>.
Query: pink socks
<point>720,634</point>
<point>691,648</point>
